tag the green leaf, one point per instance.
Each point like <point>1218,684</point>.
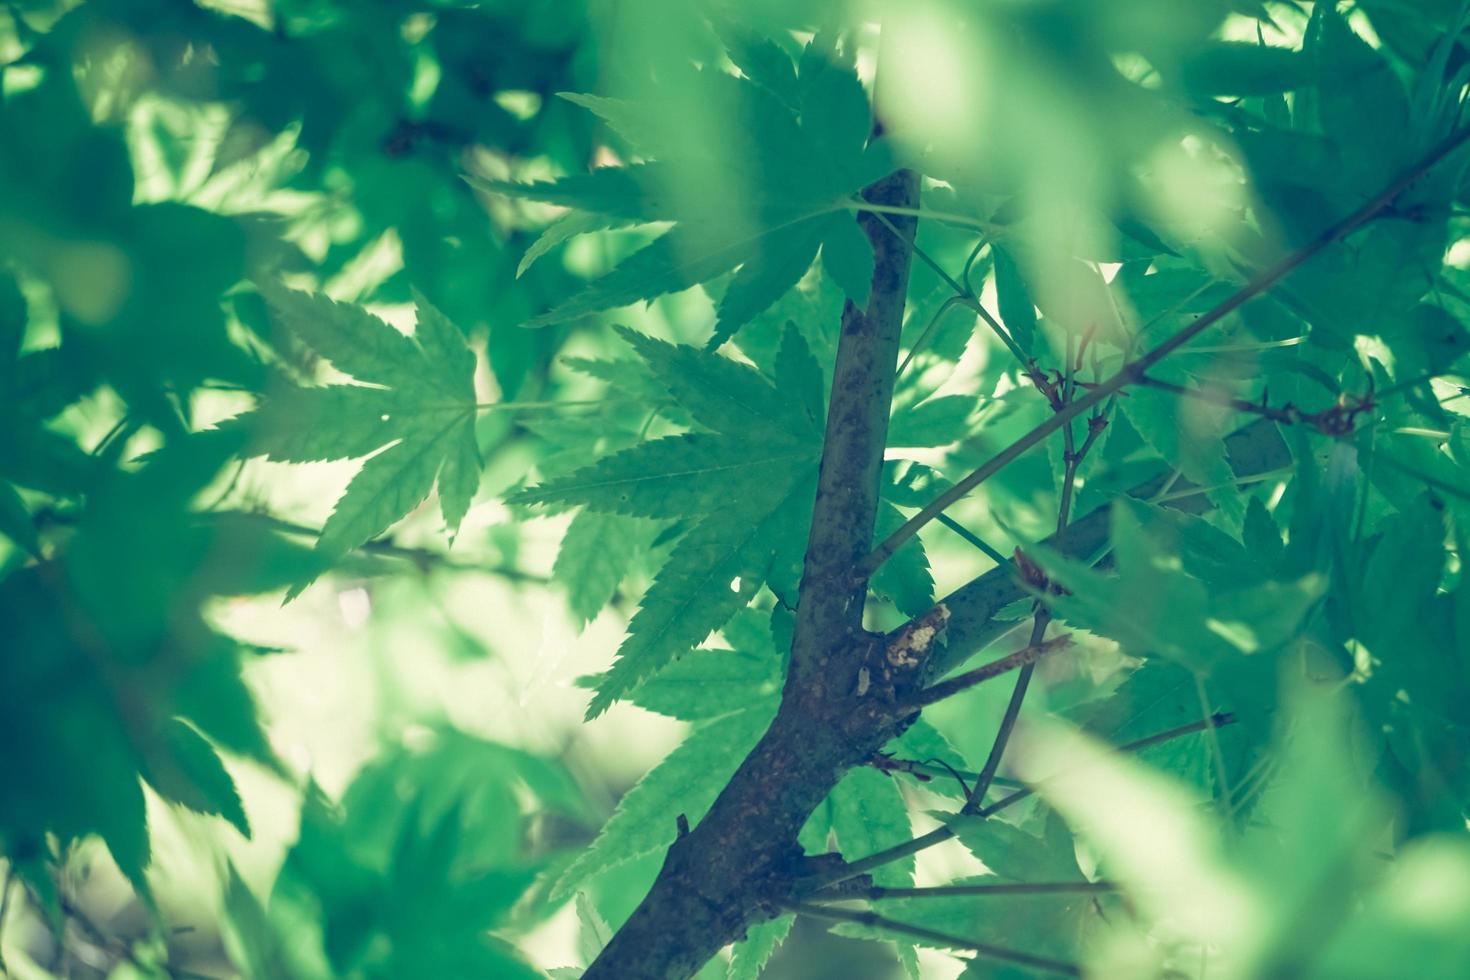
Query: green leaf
<point>1391,929</point>
<point>607,194</point>
<point>450,362</point>
<point>304,425</point>
<point>1162,695</point>
<point>116,613</point>
<point>760,59</point>
<point>1358,93</point>
<point>1010,852</point>
<point>767,272</point>
<point>677,476</point>
<point>686,782</point>
<point>720,394</point>
<point>847,255</point>
<point>1017,310</point>
<point>1243,68</point>
<point>352,339</point>
<point>16,522</point>
<point>834,106</point>
<point>707,683</point>
<point>594,557</point>
<point>868,814</point>
<point>13,315</point>
<point>798,377</point>
<point>387,487</point>
<point>749,957</point>
<point>1154,606</point>
<point>595,932</point>
<point>1186,432</point>
<point>459,477</point>
<point>714,571</point>
<point>186,770</point>
<point>1428,341</point>
<point>424,415</point>
<point>562,230</point>
<point>904,577</point>
<point>933,422</point>
<point>791,165</point>
<point>1160,847</point>
<point>252,944</point>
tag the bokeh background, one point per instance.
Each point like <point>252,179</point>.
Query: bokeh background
<point>157,156</point>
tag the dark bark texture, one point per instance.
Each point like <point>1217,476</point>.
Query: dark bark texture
<point>742,859</point>
<point>739,865</point>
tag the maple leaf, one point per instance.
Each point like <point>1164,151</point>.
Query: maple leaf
<point>793,186</point>
<point>745,487</point>
<point>412,414</point>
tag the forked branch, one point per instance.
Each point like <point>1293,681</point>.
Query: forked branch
<point>1131,373</point>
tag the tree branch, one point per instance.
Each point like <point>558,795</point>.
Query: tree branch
<point>1256,449</point>
<point>736,866</point>
<point>741,863</point>
<point>1131,373</point>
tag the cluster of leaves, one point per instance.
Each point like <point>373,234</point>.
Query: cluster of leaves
<point>795,153</point>
<point>166,165</point>
<point>1305,623</point>
<point>1215,609</point>
<point>385,885</point>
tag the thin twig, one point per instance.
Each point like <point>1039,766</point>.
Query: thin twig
<point>923,337</point>
<point>1337,420</point>
<point>423,558</point>
<point>879,893</point>
<point>1024,657</point>
<point>1130,373</point>
<point>970,537</point>
<point>969,300</point>
<point>926,769</point>
<point>1285,414</point>
<point>1218,720</point>
<point>1073,457</point>
<point>875,921</point>
<point>943,833</point>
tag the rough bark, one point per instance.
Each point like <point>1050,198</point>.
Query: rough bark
<point>732,869</point>
<point>742,860</point>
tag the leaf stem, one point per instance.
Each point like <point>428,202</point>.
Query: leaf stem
<point>967,298</point>
<point>549,406</point>
<point>1217,756</point>
<point>947,217</point>
<point>887,763</point>
<point>929,328</point>
<point>975,540</point>
<point>1218,720</point>
<point>874,921</point>
<point>423,558</point>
